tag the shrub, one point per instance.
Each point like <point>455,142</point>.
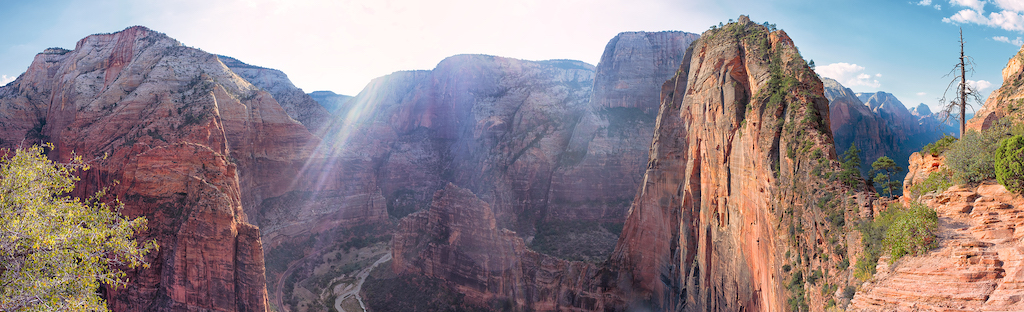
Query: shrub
<point>972,157</point>
<point>936,182</point>
<point>910,230</point>
<point>1009,163</point>
<point>938,147</point>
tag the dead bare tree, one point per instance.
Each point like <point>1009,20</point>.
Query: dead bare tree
<point>963,90</point>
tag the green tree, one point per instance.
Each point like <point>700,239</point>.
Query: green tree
<point>56,250</point>
<point>883,168</point>
<point>1009,163</point>
<point>850,173</point>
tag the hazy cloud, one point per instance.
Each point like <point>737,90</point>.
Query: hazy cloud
<point>849,75</point>
<point>979,85</point>
<point>4,79</point>
<point>1018,42</point>
<point>921,93</point>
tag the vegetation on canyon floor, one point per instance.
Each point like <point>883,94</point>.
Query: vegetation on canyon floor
<point>56,250</point>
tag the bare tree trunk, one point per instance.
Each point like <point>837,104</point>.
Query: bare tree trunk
<point>963,85</point>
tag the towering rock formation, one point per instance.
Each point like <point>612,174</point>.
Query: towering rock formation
<point>181,131</point>
<point>1007,100</point>
<point>299,105</point>
<point>609,145</point>
<point>741,141</point>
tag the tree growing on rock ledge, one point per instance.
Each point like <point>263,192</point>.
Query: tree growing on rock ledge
<point>55,250</point>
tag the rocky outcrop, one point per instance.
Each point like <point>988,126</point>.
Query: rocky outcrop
<point>740,131</point>
<point>178,128</point>
<point>978,266</point>
<point>457,239</point>
<point>1007,100</point>
<point>330,100</point>
<point>299,105</point>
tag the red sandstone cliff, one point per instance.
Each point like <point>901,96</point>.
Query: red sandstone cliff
<point>191,144</point>
<point>739,154</point>
<point>740,131</point>
<point>1006,101</point>
<point>457,239</point>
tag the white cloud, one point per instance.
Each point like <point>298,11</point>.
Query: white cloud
<point>1011,5</point>
<point>1017,42</point>
<point>921,94</point>
<point>925,2</point>
<point>979,85</point>
<point>977,5</point>
<point>1009,18</point>
<point>4,79</point>
<point>938,7</point>
<point>878,75</point>
<point>849,75</point>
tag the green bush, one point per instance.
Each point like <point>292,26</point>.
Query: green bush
<point>938,147</point>
<point>1009,163</point>
<point>972,157</point>
<point>936,182</point>
<point>899,231</point>
<point>910,230</point>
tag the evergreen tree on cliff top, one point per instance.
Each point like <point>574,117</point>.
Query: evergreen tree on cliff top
<point>55,250</point>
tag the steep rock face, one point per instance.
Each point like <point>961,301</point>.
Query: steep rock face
<point>610,143</point>
<point>739,132</point>
<point>178,127</point>
<point>978,266</point>
<point>635,64</point>
<point>1007,100</point>
<point>299,105</point>
<point>496,126</point>
<point>330,100</point>
<point>853,122</point>
<point>457,239</point>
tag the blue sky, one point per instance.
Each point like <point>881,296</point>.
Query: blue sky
<point>902,47</point>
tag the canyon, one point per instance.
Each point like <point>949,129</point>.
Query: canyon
<point>684,172</point>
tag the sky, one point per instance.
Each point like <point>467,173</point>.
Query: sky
<point>901,47</point>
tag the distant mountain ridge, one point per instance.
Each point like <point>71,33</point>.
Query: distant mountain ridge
<point>880,125</point>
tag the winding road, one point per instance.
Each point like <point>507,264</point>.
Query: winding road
<point>359,285</point>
